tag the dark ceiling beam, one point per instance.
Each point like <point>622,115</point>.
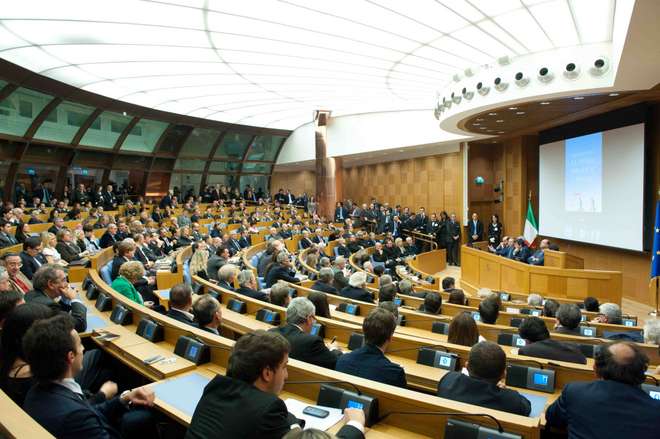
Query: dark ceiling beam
<point>247,152</point>
<point>184,139</point>
<point>124,134</point>
<point>207,165</point>
<point>7,90</point>
<point>85,126</point>
<point>36,123</point>
<point>162,137</point>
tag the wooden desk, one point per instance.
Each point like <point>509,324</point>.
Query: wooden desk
<point>16,424</point>
<point>482,269</point>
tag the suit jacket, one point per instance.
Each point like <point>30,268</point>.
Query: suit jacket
<point>326,288</point>
<point>66,414</point>
<point>307,347</point>
<point>554,350</point>
<point>249,292</point>
<point>7,240</point>
<point>356,294</point>
<point>340,214</point>
<point>213,265</point>
<point>340,280</point>
<point>180,317</point>
<point>477,229</point>
<point>453,229</point>
<point>107,240</point>
<point>344,251</point>
<point>369,362</point>
<point>77,310</point>
<point>537,258</point>
<point>605,408</point>
<point>116,264</point>
<point>460,387</point>
<point>522,255</point>
<point>24,280</point>
<point>30,264</point>
<point>69,252</point>
<point>279,272</point>
<point>305,243</point>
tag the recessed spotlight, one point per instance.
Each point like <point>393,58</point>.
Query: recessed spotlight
<point>545,103</point>
<point>500,132</point>
<point>520,112</point>
<point>492,114</point>
<point>614,94</point>
<point>513,108</point>
<point>482,128</point>
<point>499,120</point>
<point>476,124</point>
<point>124,113</point>
<point>578,98</point>
<point>479,119</point>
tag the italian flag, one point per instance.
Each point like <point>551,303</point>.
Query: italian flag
<point>531,229</point>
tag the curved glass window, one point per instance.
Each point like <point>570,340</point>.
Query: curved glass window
<point>63,122</point>
<point>105,130</point>
<point>265,148</point>
<point>19,109</point>
<point>144,136</point>
<point>233,146</point>
<point>199,143</point>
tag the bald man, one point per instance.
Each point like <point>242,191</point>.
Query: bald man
<point>613,406</point>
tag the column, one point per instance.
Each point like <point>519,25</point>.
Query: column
<point>328,169</point>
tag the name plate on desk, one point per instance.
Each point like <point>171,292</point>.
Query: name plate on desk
<point>438,359</point>
<point>510,340</point>
<point>349,308</point>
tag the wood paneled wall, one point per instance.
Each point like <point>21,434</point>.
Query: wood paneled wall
<point>435,182</point>
<point>298,182</point>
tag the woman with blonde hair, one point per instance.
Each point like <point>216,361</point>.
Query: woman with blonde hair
<point>129,274</point>
<point>49,241</point>
<point>199,260</point>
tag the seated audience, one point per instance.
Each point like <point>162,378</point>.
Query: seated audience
<point>370,361</point>
<point>539,255</point>
<point>324,281</point>
<point>448,284</point>
<point>432,304</point>
<point>130,273</point>
<point>208,313</point>
<point>387,293</point>
<point>125,253</point>
<point>31,257</point>
<point>489,310</point>
<point>463,330</point>
<point>49,250</point>
<point>52,289</point>
<point>568,318</point>
<point>457,297</point>
<point>55,354</point>
<point>356,288</point>
<point>612,406</point>
<point>181,304</point>
<point>320,301</point>
<point>67,248</point>
<point>248,286</point>
<point>297,330</point>
<point>226,276</point>
<point>279,295</point>
<point>608,313</point>
<point>591,304</point>
<point>6,238</point>
<point>406,287</point>
<point>215,262</point>
<point>520,251</point>
<point>244,403</point>
<point>199,261</point>
<point>539,344</point>
<point>341,272</point>
<point>486,366</point>
<point>550,308</point>
<point>652,331</point>
<point>9,299</point>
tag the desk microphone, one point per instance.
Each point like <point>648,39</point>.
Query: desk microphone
<point>357,390</point>
<point>418,348</point>
<point>438,413</point>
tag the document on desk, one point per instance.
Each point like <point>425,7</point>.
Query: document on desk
<point>95,322</point>
<point>538,403</point>
<point>296,408</point>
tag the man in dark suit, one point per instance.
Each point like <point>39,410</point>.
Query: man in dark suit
<point>216,261</point>
<point>55,354</point>
<point>244,404</point>
<point>538,258</point>
<point>181,304</point>
<point>248,286</point>
<point>109,238</point>
<point>109,199</point>
<point>453,230</point>
<point>487,366</point>
<point>339,270</point>
<point>282,270</point>
<point>49,284</point>
<point>614,405</point>
<point>305,242</point>
<point>324,282</point>
<point>208,313</point>
<point>340,213</point>
<point>521,252</point>
<point>568,318</point>
<point>341,249</point>
<point>166,201</point>
<point>370,361</point>
<point>539,344</point>
<point>44,194</point>
<point>6,238</point>
<point>355,289</point>
<point>31,256</point>
<point>305,346</point>
<point>69,251</point>
<point>476,228</point>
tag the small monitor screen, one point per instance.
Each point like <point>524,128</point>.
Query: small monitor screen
<point>354,405</point>
<point>315,330</point>
<point>588,332</point>
<point>397,302</point>
<point>476,316</point>
<point>536,312</point>
<point>149,330</point>
<point>445,361</point>
<point>583,318</point>
<point>628,323</point>
<point>654,395</point>
<point>520,342</point>
<point>192,351</point>
<point>236,306</point>
<point>268,317</point>
<point>540,379</point>
<point>350,308</point>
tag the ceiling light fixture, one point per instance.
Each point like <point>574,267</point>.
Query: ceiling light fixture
<point>578,98</point>
<point>545,103</point>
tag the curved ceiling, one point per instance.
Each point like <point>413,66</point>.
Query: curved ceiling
<point>271,63</point>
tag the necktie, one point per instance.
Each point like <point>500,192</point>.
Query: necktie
<point>22,285</point>
<point>37,262</point>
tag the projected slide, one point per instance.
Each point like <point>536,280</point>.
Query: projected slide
<point>584,173</point>
<point>591,188</point>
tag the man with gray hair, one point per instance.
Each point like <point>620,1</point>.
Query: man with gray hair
<point>406,287</point>
<point>52,289</point>
<point>324,282</point>
<point>305,346</point>
<point>609,313</point>
<point>279,294</point>
<point>208,314</point>
<point>568,318</point>
<point>534,300</point>
<point>356,288</point>
<point>247,286</point>
<point>226,275</point>
<point>341,272</point>
<point>652,331</point>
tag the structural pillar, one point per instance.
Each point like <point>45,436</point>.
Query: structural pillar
<point>328,169</point>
